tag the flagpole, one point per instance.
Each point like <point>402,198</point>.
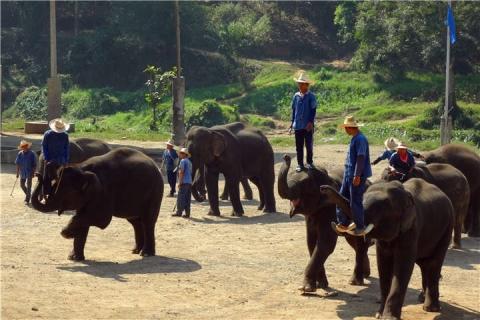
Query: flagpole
<point>445,123</point>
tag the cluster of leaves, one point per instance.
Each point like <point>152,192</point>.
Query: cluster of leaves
<point>211,113</point>
<point>31,104</point>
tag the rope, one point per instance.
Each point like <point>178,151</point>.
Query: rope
<point>59,180</point>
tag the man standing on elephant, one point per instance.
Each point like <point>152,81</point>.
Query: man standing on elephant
<point>55,149</point>
<point>357,170</point>
<point>169,157</point>
<point>304,107</point>
<point>184,184</point>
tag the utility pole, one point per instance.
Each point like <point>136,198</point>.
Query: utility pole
<point>178,89</point>
<point>446,119</point>
<point>53,83</point>
<point>75,19</point>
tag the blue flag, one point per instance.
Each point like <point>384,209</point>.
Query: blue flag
<point>451,25</point>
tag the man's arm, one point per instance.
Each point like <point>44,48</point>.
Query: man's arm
<point>46,154</point>
<point>293,111</point>
<point>181,173</point>
<point>361,147</point>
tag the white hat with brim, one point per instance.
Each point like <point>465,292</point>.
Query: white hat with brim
<point>402,146</point>
<point>184,151</point>
<point>24,144</point>
<point>350,122</point>
<point>58,125</point>
<point>302,78</point>
<point>392,143</point>
<point>170,143</point>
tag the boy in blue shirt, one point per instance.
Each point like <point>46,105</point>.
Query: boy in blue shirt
<point>304,107</point>
<point>169,157</point>
<point>184,184</point>
<point>26,163</point>
<point>402,161</point>
<point>55,149</point>
<point>357,170</point>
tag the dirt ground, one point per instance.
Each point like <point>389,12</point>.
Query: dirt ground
<point>206,267</point>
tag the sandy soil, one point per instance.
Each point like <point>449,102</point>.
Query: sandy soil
<point>206,268</point>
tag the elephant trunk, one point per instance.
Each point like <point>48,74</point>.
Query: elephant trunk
<point>336,198</point>
<point>49,205</point>
<point>283,189</point>
<point>198,186</point>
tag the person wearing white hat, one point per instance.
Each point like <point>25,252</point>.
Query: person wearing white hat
<point>26,163</point>
<point>390,147</point>
<point>168,160</point>
<point>304,107</point>
<point>357,170</point>
<point>184,184</point>
<point>55,149</point>
<point>402,161</point>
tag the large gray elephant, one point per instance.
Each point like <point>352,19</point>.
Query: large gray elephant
<point>468,162</point>
<point>451,181</point>
<point>413,223</point>
<point>124,183</point>
<point>303,191</point>
<point>247,154</point>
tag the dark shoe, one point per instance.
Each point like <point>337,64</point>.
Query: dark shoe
<point>309,166</point>
<point>361,232</point>
<point>177,214</point>
<point>341,228</point>
<point>300,168</point>
<point>171,195</point>
<point>187,214</point>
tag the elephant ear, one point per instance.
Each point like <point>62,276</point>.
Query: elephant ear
<point>91,185</point>
<point>218,144</point>
<point>409,213</point>
<point>94,209</point>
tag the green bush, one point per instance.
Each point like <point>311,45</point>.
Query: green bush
<point>31,104</point>
<point>259,121</point>
<point>211,113</point>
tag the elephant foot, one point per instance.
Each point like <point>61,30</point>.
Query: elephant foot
<point>67,233</point>
<point>270,210</point>
<point>136,250</point>
<point>307,288</point>
<point>145,253</point>
<point>247,197</point>
<point>76,257</point>
<point>434,307</point>
<point>224,198</point>
<point>456,245</point>
<point>474,234</point>
<point>237,213</point>
<point>260,207</point>
<point>421,297</point>
<point>213,213</point>
<point>356,281</point>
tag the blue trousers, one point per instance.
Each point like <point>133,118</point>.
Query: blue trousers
<point>184,198</point>
<point>355,195</point>
<point>172,180</point>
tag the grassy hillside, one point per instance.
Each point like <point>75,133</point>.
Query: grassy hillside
<point>408,109</point>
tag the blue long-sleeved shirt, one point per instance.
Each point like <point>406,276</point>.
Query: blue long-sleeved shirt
<point>27,162</point>
<point>401,166</point>
<point>304,108</point>
<point>169,156</point>
<point>56,147</point>
<point>358,147</point>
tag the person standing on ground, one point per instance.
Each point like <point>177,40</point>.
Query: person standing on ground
<point>169,158</point>
<point>26,164</point>
<point>55,149</point>
<point>184,184</point>
<point>304,107</point>
<point>357,170</point>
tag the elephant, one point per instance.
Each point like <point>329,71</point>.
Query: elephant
<point>413,223</point>
<point>303,191</point>
<point>247,154</point>
<point>451,181</point>
<point>124,183</point>
<point>468,162</point>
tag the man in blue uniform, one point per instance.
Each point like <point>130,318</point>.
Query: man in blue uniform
<point>26,163</point>
<point>184,184</point>
<point>390,146</point>
<point>169,157</point>
<point>357,170</point>
<point>304,107</point>
<point>55,149</point>
<point>402,161</point>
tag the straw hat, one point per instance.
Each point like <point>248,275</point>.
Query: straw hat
<point>392,143</point>
<point>24,144</point>
<point>58,125</point>
<point>402,146</point>
<point>170,143</point>
<point>302,77</point>
<point>185,151</point>
<point>350,122</point>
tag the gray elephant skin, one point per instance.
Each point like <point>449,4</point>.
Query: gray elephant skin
<point>247,154</point>
<point>451,181</point>
<point>413,223</point>
<point>468,162</point>
<point>303,191</point>
<point>124,183</point>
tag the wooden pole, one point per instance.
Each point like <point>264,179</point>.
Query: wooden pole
<point>177,28</point>
<point>445,126</point>
<point>53,40</point>
<point>54,87</point>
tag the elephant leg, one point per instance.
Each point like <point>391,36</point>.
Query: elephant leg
<point>361,248</point>
<point>256,182</point>
<point>475,215</point>
<point>138,230</point>
<point>247,191</point>
<point>457,232</point>
<point>149,236</point>
<point>403,263</point>
<point>79,240</point>
<point>234,189</point>
<point>224,195</point>
<point>211,178</point>
<point>385,275</point>
<point>267,182</point>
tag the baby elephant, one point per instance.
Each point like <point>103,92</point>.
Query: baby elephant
<point>413,224</point>
<point>124,183</point>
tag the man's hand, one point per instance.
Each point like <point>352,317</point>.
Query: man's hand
<point>356,181</point>
<point>309,126</point>
<point>290,129</point>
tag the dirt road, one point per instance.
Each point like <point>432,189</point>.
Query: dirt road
<point>206,267</point>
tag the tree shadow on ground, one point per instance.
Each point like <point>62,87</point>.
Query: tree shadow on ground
<point>465,258</point>
<point>365,303</point>
<point>115,270</point>
<point>267,218</point>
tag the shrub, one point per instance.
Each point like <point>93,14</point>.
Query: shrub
<point>210,113</point>
<point>31,104</point>
<point>258,121</point>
